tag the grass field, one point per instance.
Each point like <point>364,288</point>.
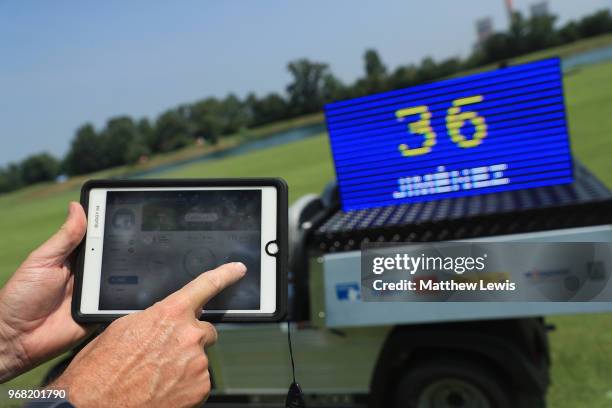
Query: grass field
<point>581,345</point>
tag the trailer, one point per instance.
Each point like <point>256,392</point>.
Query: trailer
<point>354,353</point>
<point>351,353</point>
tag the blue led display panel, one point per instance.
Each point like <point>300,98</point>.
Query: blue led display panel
<point>488,132</point>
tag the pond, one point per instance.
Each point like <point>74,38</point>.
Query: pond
<point>587,58</point>
<point>272,140</point>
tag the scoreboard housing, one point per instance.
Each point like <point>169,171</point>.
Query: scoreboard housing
<point>482,133</point>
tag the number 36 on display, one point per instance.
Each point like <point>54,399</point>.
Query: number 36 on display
<point>456,118</point>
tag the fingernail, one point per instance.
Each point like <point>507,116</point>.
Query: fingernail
<point>240,267</point>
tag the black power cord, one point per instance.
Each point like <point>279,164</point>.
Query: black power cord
<point>295,397</point>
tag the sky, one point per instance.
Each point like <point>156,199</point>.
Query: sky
<point>65,63</point>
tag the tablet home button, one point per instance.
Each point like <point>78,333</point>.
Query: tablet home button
<point>272,248</point>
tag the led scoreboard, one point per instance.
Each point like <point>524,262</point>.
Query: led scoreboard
<point>488,132</point>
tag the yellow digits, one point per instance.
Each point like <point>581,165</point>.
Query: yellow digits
<point>455,120</point>
<point>420,127</point>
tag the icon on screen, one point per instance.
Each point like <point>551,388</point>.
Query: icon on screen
<point>123,219</point>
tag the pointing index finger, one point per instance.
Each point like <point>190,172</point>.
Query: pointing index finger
<point>206,286</point>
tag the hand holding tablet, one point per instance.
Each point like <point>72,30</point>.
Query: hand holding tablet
<point>147,239</point>
<point>160,345</point>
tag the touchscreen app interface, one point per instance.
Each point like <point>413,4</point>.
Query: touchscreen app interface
<point>157,241</point>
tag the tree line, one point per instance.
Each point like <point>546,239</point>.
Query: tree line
<point>125,140</point>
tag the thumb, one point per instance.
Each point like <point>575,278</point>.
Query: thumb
<point>65,240</point>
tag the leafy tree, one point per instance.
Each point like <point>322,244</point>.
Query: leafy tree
<point>541,32</point>
<point>10,178</point>
<point>270,108</point>
<point>119,139</point>
<point>333,89</point>
<point>517,34</point>
<point>450,66</point>
<point>306,89</point>
<point>536,33</point>
<point>427,71</point>
<point>569,32</point>
<point>146,132</point>
<point>233,114</point>
<point>497,47</point>
<point>502,46</point>
<point>403,76</point>
<point>375,72</point>
<point>135,152</point>
<point>597,23</point>
<point>39,167</point>
<point>204,120</point>
<point>86,152</point>
<point>171,131</point>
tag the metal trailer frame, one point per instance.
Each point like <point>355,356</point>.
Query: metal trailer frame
<point>343,269</point>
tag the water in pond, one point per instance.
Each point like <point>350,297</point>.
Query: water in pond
<point>587,58</point>
<point>274,139</point>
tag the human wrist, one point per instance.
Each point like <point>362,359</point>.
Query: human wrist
<point>76,393</point>
<point>61,384</point>
<point>13,359</point>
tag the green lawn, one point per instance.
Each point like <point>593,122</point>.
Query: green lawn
<point>581,345</point>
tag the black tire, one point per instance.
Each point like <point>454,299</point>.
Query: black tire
<point>531,401</point>
<point>450,382</point>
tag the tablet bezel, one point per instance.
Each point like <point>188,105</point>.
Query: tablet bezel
<point>85,283</point>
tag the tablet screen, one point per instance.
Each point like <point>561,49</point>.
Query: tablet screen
<point>157,241</point>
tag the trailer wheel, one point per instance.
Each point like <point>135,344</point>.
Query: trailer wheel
<point>450,383</point>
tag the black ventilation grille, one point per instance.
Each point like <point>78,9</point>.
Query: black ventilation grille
<point>585,202</point>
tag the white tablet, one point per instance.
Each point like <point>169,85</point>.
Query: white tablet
<point>148,238</point>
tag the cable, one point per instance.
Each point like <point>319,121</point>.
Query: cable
<point>290,349</point>
<point>295,397</point>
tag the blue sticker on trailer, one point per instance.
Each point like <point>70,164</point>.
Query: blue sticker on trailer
<point>348,291</point>
<point>484,133</point>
